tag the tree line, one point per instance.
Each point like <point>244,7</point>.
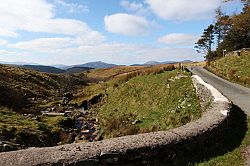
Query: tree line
<point>228,33</point>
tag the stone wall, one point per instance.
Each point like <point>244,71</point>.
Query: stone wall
<point>141,149</point>
<point>238,52</point>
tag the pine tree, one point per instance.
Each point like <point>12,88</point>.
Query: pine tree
<point>204,44</point>
<point>222,25</point>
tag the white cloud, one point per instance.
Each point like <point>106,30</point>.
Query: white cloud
<point>3,42</point>
<point>138,8</point>
<point>127,24</point>
<point>48,45</point>
<point>39,16</point>
<point>7,53</point>
<point>7,33</point>
<point>183,10</point>
<point>54,45</point>
<point>169,54</point>
<point>51,50</point>
<point>72,7</point>
<point>178,39</point>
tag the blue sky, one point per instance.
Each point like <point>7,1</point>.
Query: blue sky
<point>114,31</point>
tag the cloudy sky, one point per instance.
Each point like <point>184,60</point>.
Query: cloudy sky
<point>114,31</point>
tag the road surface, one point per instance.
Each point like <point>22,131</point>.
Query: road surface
<point>238,94</point>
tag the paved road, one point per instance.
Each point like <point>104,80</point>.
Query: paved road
<point>238,94</point>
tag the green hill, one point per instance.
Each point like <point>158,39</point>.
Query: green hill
<point>235,67</point>
<point>150,102</point>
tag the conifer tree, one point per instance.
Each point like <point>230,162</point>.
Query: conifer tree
<point>204,44</point>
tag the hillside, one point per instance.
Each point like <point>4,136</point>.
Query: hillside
<point>234,67</point>
<point>45,69</point>
<point>40,109</point>
<point>24,89</point>
<point>77,69</point>
<point>149,103</point>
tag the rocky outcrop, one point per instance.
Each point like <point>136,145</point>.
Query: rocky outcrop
<point>138,149</point>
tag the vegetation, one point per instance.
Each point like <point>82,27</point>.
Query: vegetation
<point>204,45</point>
<point>113,78</point>
<point>229,33</point>
<point>105,74</point>
<point>234,68</point>
<point>31,130</point>
<point>25,96</point>
<point>147,103</point>
<point>28,91</point>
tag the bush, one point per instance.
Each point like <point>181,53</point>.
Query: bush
<point>12,98</point>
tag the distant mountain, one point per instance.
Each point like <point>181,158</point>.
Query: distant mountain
<point>169,62</point>
<point>186,61</point>
<point>98,64</point>
<point>45,69</point>
<point>149,63</point>
<point>61,66</point>
<point>152,63</point>
<point>77,69</point>
<point>137,65</point>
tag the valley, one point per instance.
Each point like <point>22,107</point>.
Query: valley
<point>41,109</point>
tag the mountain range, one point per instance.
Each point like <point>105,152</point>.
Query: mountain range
<point>60,68</point>
<point>150,63</point>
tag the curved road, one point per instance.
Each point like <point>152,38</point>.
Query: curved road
<point>238,94</point>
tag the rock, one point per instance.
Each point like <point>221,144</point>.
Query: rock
<point>96,126</point>
<point>5,147</point>
<point>85,131</point>
<point>136,122</point>
<point>68,96</point>
<point>67,113</point>
<point>84,127</point>
<point>168,86</point>
<point>183,103</point>
<point>95,133</point>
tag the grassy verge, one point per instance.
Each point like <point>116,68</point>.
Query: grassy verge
<point>233,68</point>
<point>149,103</point>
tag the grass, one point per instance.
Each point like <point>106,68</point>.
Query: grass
<point>40,131</point>
<point>32,90</point>
<point>154,101</point>
<point>118,77</point>
<point>104,74</point>
<point>233,68</point>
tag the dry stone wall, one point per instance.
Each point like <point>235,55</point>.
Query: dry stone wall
<point>141,149</point>
<point>238,52</point>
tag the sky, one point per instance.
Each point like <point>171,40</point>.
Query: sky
<point>124,32</point>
